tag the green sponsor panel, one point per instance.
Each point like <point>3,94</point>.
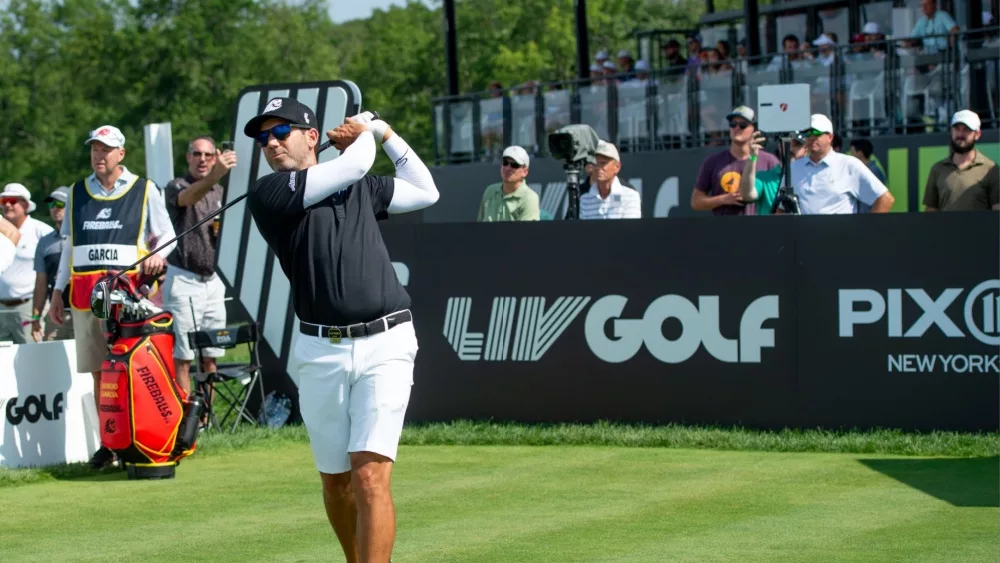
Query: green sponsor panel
<point>898,178</point>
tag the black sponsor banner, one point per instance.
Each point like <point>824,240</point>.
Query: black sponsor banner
<point>704,321</point>
<point>666,178</point>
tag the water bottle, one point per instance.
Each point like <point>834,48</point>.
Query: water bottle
<point>188,431</point>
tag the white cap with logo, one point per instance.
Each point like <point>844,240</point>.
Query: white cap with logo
<point>18,190</point>
<point>107,134</point>
<point>517,154</point>
<point>968,118</point>
<point>605,148</point>
<point>821,123</point>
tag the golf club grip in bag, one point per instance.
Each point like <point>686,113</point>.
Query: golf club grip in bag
<point>145,417</point>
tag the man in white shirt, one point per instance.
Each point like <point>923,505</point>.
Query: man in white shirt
<point>17,283</point>
<point>9,237</point>
<point>828,182</point>
<point>608,198</point>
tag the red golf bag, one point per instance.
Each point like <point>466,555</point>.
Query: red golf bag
<point>146,418</point>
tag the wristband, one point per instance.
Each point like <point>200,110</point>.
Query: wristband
<point>753,158</point>
<point>36,317</point>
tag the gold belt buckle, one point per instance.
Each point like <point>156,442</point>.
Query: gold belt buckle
<point>334,334</point>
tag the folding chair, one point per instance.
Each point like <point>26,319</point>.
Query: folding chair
<point>215,385</point>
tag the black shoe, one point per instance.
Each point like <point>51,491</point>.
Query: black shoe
<point>102,458</point>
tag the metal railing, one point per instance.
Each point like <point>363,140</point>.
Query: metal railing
<point>898,86</point>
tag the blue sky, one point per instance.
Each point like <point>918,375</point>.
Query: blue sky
<point>346,10</point>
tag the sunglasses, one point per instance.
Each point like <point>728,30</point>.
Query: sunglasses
<point>813,133</point>
<point>10,200</point>
<point>740,124</point>
<point>280,132</point>
<point>511,164</point>
<point>206,154</point>
<point>57,203</point>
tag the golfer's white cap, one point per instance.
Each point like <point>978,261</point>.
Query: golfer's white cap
<point>517,154</point>
<point>107,134</point>
<point>607,149</point>
<point>968,118</point>
<point>821,123</point>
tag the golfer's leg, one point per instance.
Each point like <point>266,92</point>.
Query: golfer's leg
<point>323,396</point>
<point>378,405</point>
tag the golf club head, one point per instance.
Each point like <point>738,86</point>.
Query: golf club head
<point>100,300</point>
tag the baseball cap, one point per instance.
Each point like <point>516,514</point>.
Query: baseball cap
<point>18,190</point>
<point>289,109</point>
<point>968,118</point>
<point>870,28</point>
<point>107,134</point>
<point>821,123</point>
<point>607,149</point>
<point>517,154</point>
<point>59,194</point>
<point>744,112</point>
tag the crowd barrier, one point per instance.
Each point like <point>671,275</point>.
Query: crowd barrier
<point>831,321</point>
<point>48,412</point>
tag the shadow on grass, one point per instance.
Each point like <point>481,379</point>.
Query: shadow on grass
<point>964,482</point>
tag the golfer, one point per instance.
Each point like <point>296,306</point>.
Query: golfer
<point>357,344</point>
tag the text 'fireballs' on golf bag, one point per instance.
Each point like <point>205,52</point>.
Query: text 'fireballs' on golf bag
<point>146,418</point>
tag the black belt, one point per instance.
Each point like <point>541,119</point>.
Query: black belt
<point>359,330</point>
<point>13,302</point>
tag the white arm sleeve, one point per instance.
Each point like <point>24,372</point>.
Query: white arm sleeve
<point>7,252</point>
<point>338,174</point>
<point>413,186</point>
<point>160,225</point>
<point>62,276</point>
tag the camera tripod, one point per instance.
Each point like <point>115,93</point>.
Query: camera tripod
<point>786,199</point>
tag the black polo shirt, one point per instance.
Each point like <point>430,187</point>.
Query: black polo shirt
<point>332,252</point>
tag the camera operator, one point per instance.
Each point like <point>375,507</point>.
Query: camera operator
<point>829,182</point>
<point>9,237</point>
<point>762,189</point>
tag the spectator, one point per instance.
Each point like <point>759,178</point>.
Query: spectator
<point>676,64</point>
<point>47,257</point>
<point>827,52</point>
<point>694,50</point>
<point>608,198</point>
<point>601,57</point>
<point>610,70</point>
<point>10,237</point>
<point>717,187</point>
<point>511,199</point>
<point>967,180</point>
<point>934,22</point>
<point>790,45</point>
<point>596,75</point>
<point>863,150</point>
<point>18,282</point>
<point>123,211</point>
<point>626,64</point>
<point>829,182</point>
<point>722,46</point>
<point>192,291</point>
<point>762,189</point>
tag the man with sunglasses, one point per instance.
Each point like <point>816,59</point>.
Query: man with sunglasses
<point>47,257</point>
<point>356,343</point>
<point>113,213</point>
<point>828,182</point>
<point>511,199</point>
<point>192,292</point>
<point>18,282</point>
<point>717,188</point>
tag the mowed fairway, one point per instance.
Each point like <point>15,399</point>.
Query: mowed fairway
<point>536,504</point>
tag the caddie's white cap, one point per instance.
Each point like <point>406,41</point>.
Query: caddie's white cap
<point>517,154</point>
<point>607,149</point>
<point>968,118</point>
<point>870,28</point>
<point>18,190</point>
<point>821,123</point>
<point>107,134</point>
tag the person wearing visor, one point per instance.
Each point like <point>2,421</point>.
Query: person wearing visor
<point>829,183</point>
<point>762,188</point>
<point>511,199</point>
<point>47,257</point>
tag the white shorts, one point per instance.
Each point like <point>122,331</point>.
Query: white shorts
<point>182,289</point>
<point>353,395</point>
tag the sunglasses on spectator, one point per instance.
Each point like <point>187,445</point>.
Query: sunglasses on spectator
<point>10,200</point>
<point>814,133</point>
<point>206,154</point>
<point>57,203</point>
<point>511,164</point>
<point>280,132</point>
<point>740,124</point>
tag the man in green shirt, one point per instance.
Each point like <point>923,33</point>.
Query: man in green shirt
<point>762,187</point>
<point>511,199</point>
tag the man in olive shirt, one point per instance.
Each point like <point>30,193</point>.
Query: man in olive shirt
<point>967,180</point>
<point>511,199</point>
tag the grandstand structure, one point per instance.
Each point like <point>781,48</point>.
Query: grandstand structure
<point>870,85</point>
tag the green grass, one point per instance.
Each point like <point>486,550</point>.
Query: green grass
<point>245,499</point>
